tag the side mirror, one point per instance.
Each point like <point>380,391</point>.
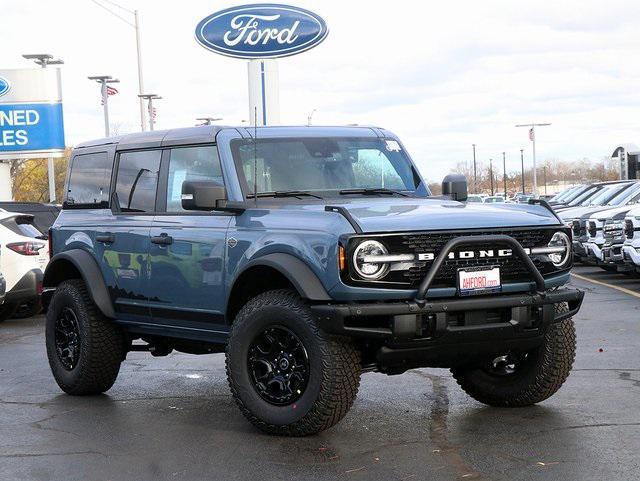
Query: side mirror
<point>202,195</point>
<point>455,186</point>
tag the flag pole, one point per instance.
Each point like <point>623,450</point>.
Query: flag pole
<point>532,136</point>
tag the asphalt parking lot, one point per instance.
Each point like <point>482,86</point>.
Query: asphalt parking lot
<point>173,418</point>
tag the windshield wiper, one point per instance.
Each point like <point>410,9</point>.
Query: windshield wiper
<point>284,193</point>
<point>372,191</point>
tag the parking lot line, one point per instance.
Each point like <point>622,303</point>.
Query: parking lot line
<point>618,288</point>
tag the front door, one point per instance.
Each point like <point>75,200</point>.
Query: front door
<point>188,248</point>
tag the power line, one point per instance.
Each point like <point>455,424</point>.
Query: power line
<point>113,13</point>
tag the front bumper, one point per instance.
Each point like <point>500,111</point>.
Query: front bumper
<point>594,250</point>
<point>630,255</point>
<point>446,333</point>
<point>613,255</point>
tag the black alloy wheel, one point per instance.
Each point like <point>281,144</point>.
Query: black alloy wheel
<point>278,365</point>
<point>67,338</point>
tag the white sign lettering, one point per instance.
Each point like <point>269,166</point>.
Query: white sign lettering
<point>246,29</point>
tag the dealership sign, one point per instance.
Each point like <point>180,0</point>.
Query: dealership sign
<point>31,123</point>
<point>261,31</point>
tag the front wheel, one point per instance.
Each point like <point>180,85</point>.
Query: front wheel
<point>523,379</point>
<point>84,348</point>
<point>286,375</point>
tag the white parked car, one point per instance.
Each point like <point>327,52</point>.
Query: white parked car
<point>25,253</point>
<point>631,247</point>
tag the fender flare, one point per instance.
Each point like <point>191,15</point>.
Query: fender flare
<point>90,272</point>
<point>296,271</point>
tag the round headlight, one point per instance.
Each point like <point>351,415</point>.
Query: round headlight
<point>370,270</point>
<point>560,240</point>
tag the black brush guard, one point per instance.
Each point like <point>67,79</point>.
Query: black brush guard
<point>401,325</point>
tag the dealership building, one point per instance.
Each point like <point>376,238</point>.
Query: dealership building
<point>626,155</point>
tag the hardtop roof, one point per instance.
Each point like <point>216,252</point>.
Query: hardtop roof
<point>207,133</point>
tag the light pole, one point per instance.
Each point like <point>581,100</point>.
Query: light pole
<point>136,26</point>
<point>208,120</point>
<point>544,174</point>
<point>310,116</point>
<point>532,137</point>
<point>44,59</point>
<point>522,168</point>
<point>504,174</point>
<point>475,175</point>
<point>491,174</point>
<point>103,80</point>
<point>150,98</point>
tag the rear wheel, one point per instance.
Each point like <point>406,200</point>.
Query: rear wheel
<point>523,379</point>
<point>84,348</point>
<point>287,376</point>
<point>7,310</point>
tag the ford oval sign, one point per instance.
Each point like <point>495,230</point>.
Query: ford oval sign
<point>5,86</point>
<point>261,31</point>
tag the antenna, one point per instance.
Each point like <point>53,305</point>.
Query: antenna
<point>255,155</point>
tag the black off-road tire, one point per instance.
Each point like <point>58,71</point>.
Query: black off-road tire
<point>335,367</point>
<point>539,378</point>
<point>7,310</point>
<point>101,344</point>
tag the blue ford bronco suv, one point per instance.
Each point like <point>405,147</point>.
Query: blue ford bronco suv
<point>308,255</point>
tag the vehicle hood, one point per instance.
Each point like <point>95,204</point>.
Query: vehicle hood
<point>397,214</point>
<point>611,213</point>
<point>578,212</point>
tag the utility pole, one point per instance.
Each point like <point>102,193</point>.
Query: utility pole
<point>44,59</point>
<point>475,175</point>
<point>522,168</point>
<point>136,26</point>
<point>504,174</point>
<point>150,98</point>
<point>532,137</point>
<point>103,80</point>
<point>491,174</point>
<point>208,120</point>
<point>544,173</point>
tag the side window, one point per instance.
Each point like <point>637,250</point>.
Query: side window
<point>89,179</point>
<point>190,163</point>
<point>137,180</point>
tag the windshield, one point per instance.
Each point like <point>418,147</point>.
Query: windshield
<point>625,196</point>
<point>577,200</point>
<point>605,194</point>
<point>325,165</point>
<point>565,194</point>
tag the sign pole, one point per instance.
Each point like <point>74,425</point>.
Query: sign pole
<point>52,180</point>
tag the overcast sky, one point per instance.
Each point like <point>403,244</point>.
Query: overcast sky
<point>442,75</point>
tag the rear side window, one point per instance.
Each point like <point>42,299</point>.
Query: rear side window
<point>22,226</point>
<point>89,180</point>
<point>137,180</point>
<point>193,164</point>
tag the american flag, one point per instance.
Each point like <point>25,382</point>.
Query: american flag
<point>531,135</point>
<point>153,114</point>
<point>109,91</point>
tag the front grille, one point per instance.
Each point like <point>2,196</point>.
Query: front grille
<point>512,269</point>
<point>628,228</point>
<point>613,231</point>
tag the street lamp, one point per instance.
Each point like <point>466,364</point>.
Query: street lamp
<point>44,59</point>
<point>504,174</point>
<point>208,120</point>
<point>532,137</point>
<point>522,168</point>
<point>475,175</point>
<point>491,174</point>
<point>136,26</point>
<point>103,80</point>
<point>310,116</point>
<point>150,98</point>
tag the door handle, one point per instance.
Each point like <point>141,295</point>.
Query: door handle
<point>162,239</point>
<point>107,238</point>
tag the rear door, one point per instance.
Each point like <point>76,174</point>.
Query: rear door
<point>187,251</point>
<point>124,240</point>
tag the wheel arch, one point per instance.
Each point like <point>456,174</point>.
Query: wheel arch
<point>77,264</point>
<point>273,271</point>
